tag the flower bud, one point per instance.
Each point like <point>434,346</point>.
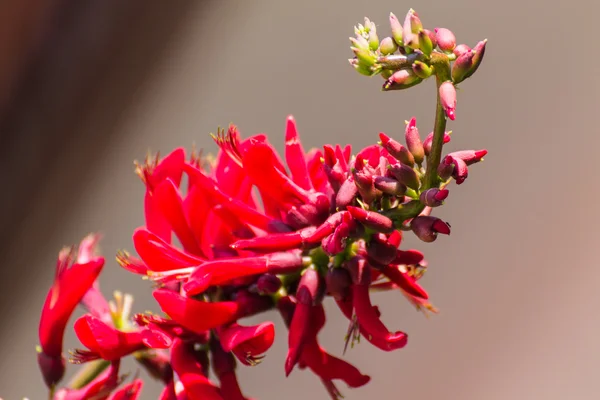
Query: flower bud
<point>433,197</point>
<point>396,150</point>
<point>462,65</point>
<point>388,46</point>
<point>402,79</point>
<point>427,228</point>
<point>346,194</point>
<point>380,250</point>
<point>479,51</point>
<point>406,175</point>
<point>460,171</point>
<point>425,44</point>
<point>268,284</point>
<point>446,168</point>
<point>359,42</point>
<point>389,186</point>
<point>338,283</point>
<point>413,141</point>
<point>53,368</point>
<point>422,70</point>
<point>372,219</point>
<point>469,156</point>
<point>364,56</point>
<point>448,99</point>
<point>396,30</point>
<point>460,49</point>
<point>360,68</point>
<point>431,37</point>
<point>446,40</point>
<point>411,28</point>
<point>372,32</point>
<point>428,142</point>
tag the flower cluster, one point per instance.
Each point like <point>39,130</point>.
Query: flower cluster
<point>245,232</point>
<point>412,54</point>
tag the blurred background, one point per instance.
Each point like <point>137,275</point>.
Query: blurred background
<point>88,86</point>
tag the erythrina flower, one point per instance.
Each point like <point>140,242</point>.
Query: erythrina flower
<point>243,232</point>
<point>71,282</point>
<point>108,343</point>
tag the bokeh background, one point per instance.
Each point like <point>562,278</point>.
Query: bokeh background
<point>88,86</point>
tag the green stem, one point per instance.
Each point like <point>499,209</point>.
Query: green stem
<point>87,373</point>
<point>442,74</point>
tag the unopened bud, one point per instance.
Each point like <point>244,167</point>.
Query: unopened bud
<point>428,142</point>
<point>411,28</point>
<point>338,283</point>
<point>364,56</point>
<point>359,42</point>
<point>396,30</point>
<point>425,44</point>
<point>460,49</point>
<point>372,219</point>
<point>360,68</point>
<point>388,46</point>
<point>380,250</point>
<point>446,40</point>
<point>431,37</point>
<point>345,196</point>
<point>396,150</point>
<point>406,175</point>
<point>460,172</point>
<point>402,79</point>
<point>427,228</point>
<point>413,141</point>
<point>446,168</point>
<point>469,156</point>
<point>479,51</point>
<point>433,197</point>
<point>422,70</point>
<point>53,368</point>
<point>389,186</point>
<point>372,31</point>
<point>448,99</point>
<point>462,65</point>
<point>268,284</point>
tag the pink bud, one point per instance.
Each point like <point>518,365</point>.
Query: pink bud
<point>413,141</point>
<point>479,51</point>
<point>396,30</point>
<point>469,156</point>
<point>460,49</point>
<point>462,65</point>
<point>428,142</point>
<point>460,171</point>
<point>445,39</point>
<point>396,150</point>
<point>448,99</point>
<point>347,193</point>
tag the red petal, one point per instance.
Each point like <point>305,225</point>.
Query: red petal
<point>252,340</point>
<point>190,371</point>
<point>167,198</point>
<point>66,292</point>
<point>294,156</point>
<point>159,255</point>
<point>197,316</point>
<point>130,391</point>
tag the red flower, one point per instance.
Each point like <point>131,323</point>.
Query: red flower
<point>98,389</point>
<point>108,343</point>
<point>71,282</point>
<point>191,367</point>
<point>131,391</point>
<point>248,343</point>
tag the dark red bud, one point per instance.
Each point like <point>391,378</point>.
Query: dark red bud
<point>389,186</point>
<point>268,284</point>
<point>381,250</point>
<point>338,283</point>
<point>406,175</point>
<point>426,228</point>
<point>347,193</point>
<point>433,197</point>
<point>372,219</point>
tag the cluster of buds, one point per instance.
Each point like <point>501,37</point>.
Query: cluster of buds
<point>253,235</point>
<point>412,54</point>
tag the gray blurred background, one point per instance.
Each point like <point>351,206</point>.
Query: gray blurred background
<point>88,86</point>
